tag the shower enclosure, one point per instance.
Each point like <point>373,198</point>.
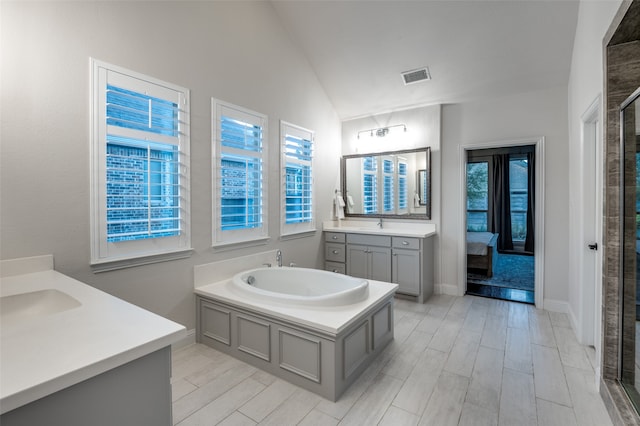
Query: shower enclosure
<point>630,255</point>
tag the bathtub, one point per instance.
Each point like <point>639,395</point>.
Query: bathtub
<point>302,286</point>
<point>316,329</point>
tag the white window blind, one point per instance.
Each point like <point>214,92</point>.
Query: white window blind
<point>140,177</point>
<point>388,186</point>
<point>403,187</point>
<point>370,185</point>
<point>297,211</point>
<point>239,202</point>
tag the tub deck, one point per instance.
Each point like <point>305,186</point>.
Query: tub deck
<point>319,348</point>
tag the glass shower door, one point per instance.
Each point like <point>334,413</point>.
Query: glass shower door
<point>630,253</point>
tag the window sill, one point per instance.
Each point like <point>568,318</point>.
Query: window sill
<point>112,265</point>
<point>296,235</point>
<point>234,245</point>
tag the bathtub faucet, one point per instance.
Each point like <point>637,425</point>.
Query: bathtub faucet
<point>279,258</point>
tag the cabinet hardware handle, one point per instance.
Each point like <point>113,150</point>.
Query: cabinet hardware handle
<point>335,270</point>
<point>335,251</point>
<point>405,243</point>
<point>335,237</point>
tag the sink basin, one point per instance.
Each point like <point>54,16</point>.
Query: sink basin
<point>36,304</point>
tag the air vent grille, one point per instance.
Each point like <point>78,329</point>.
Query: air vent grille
<point>415,76</point>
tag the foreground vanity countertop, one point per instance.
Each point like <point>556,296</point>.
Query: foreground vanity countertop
<point>330,319</point>
<point>45,353</point>
<point>393,229</point>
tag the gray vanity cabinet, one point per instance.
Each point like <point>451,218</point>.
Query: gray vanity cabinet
<point>369,257</point>
<point>405,265</point>
<point>406,261</point>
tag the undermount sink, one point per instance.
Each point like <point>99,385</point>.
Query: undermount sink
<point>36,304</point>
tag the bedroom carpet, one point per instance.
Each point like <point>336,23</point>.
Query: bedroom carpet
<point>513,279</point>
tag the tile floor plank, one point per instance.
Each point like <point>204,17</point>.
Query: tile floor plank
<point>548,375</point>
<point>518,350</point>
<point>445,405</point>
<point>372,405</point>
<point>517,399</point>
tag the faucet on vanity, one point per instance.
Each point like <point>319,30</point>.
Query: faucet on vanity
<point>379,224</point>
<point>279,258</point>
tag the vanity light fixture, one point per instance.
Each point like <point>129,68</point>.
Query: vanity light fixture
<point>381,131</point>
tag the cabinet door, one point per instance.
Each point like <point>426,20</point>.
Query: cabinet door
<point>380,263</point>
<point>357,263</point>
<point>406,270</point>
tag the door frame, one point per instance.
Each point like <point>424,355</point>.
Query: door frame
<point>589,316</point>
<point>538,142</point>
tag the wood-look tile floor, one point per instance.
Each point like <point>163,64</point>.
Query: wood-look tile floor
<point>454,361</point>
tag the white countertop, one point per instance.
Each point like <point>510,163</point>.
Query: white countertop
<point>331,319</point>
<point>394,229</point>
<point>40,356</point>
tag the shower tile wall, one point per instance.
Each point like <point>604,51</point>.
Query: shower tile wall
<point>622,77</point>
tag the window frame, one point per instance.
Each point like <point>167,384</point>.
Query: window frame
<point>289,129</point>
<point>106,255</point>
<point>219,236</point>
<point>489,210</point>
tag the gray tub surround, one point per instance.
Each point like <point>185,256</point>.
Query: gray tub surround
<point>320,348</point>
<point>397,252</point>
<point>72,354</point>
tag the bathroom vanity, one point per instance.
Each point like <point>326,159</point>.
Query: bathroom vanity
<point>74,355</point>
<point>397,253</point>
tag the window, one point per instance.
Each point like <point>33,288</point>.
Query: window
<point>239,174</point>
<point>403,187</point>
<point>518,189</point>
<point>297,179</point>
<point>140,166</point>
<point>388,200</point>
<point>370,185</point>
<point>478,196</point>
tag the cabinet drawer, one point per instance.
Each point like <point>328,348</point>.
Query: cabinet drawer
<point>408,243</point>
<point>370,240</point>
<point>334,237</point>
<point>336,267</point>
<point>334,252</point>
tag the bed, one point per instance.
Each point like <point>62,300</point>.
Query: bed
<point>482,252</point>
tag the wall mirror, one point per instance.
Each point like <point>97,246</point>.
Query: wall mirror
<point>630,255</point>
<point>388,184</point>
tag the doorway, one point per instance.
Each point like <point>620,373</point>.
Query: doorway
<point>511,265</point>
<point>500,217</point>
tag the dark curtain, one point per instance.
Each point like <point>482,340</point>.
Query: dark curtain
<point>502,202</point>
<point>531,201</point>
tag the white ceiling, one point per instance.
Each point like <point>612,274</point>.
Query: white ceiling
<point>474,49</point>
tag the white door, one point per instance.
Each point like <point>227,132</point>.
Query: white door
<point>590,224</point>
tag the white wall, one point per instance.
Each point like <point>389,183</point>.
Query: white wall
<point>585,86</point>
<point>540,113</point>
<point>234,51</point>
<point>423,130</point>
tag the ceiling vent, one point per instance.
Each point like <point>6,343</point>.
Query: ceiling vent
<point>415,76</point>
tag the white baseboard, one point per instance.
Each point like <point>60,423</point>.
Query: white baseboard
<point>189,338</point>
<point>556,306</point>
<point>574,322</point>
<point>449,289</point>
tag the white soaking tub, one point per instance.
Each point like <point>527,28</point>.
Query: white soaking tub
<point>302,286</point>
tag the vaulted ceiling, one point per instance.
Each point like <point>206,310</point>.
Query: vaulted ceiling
<point>473,49</point>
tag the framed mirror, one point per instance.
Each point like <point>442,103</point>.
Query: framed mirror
<point>388,184</point>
